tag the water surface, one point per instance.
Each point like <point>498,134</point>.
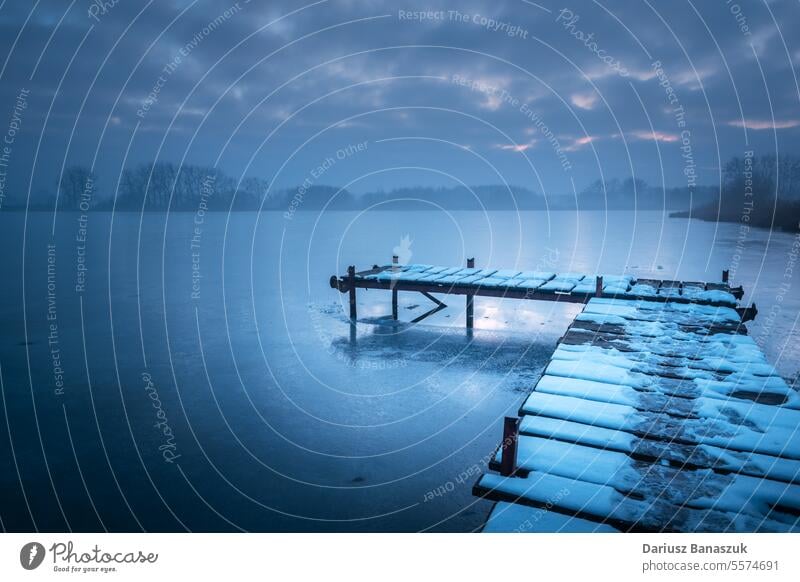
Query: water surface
<point>211,380</point>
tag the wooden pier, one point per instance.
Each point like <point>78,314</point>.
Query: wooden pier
<point>529,285</point>
<point>656,412</point>
<point>653,417</point>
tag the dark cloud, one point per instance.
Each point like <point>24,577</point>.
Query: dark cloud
<point>271,88</point>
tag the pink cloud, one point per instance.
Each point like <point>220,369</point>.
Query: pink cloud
<point>758,124</point>
<point>654,135</point>
<point>579,143</point>
<point>694,78</point>
<point>584,100</point>
<point>519,148</point>
<point>643,75</point>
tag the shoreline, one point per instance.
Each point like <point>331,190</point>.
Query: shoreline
<point>781,221</point>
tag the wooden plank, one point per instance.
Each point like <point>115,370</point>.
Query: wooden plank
<point>604,503</point>
<point>418,278</point>
<point>776,441</point>
<point>667,348</point>
<point>640,366</point>
<point>617,394</point>
<point>761,389</point>
<point>649,482</point>
<point>735,412</point>
<point>719,357</point>
<point>686,319</point>
<point>660,451</point>
<point>648,310</point>
<point>460,288</point>
<point>687,315</point>
<point>676,331</point>
<point>711,368</point>
<point>661,418</point>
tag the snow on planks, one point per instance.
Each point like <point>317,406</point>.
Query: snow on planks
<point>658,417</point>
<point>538,284</point>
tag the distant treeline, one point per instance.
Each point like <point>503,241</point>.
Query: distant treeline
<point>163,185</point>
<point>761,191</point>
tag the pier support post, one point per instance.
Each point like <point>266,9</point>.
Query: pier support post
<point>470,299</point>
<point>395,267</point>
<point>725,275</point>
<point>598,290</point>
<point>508,457</point>
<point>351,283</point>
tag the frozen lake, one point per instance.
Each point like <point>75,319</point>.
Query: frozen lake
<point>211,382</point>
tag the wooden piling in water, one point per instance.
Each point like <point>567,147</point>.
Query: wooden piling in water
<point>470,298</point>
<point>395,265</point>
<point>598,290</point>
<point>508,455</point>
<point>351,279</point>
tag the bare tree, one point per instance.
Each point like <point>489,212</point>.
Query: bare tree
<point>75,182</point>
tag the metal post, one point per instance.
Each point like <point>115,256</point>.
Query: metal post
<point>598,290</point>
<point>470,299</point>
<point>395,267</point>
<point>725,276</point>
<point>508,458</point>
<point>351,281</point>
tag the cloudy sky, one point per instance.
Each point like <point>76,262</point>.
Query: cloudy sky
<point>549,95</point>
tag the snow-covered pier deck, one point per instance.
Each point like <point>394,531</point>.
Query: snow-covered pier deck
<point>657,412</point>
<point>532,285</point>
<point>651,417</point>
